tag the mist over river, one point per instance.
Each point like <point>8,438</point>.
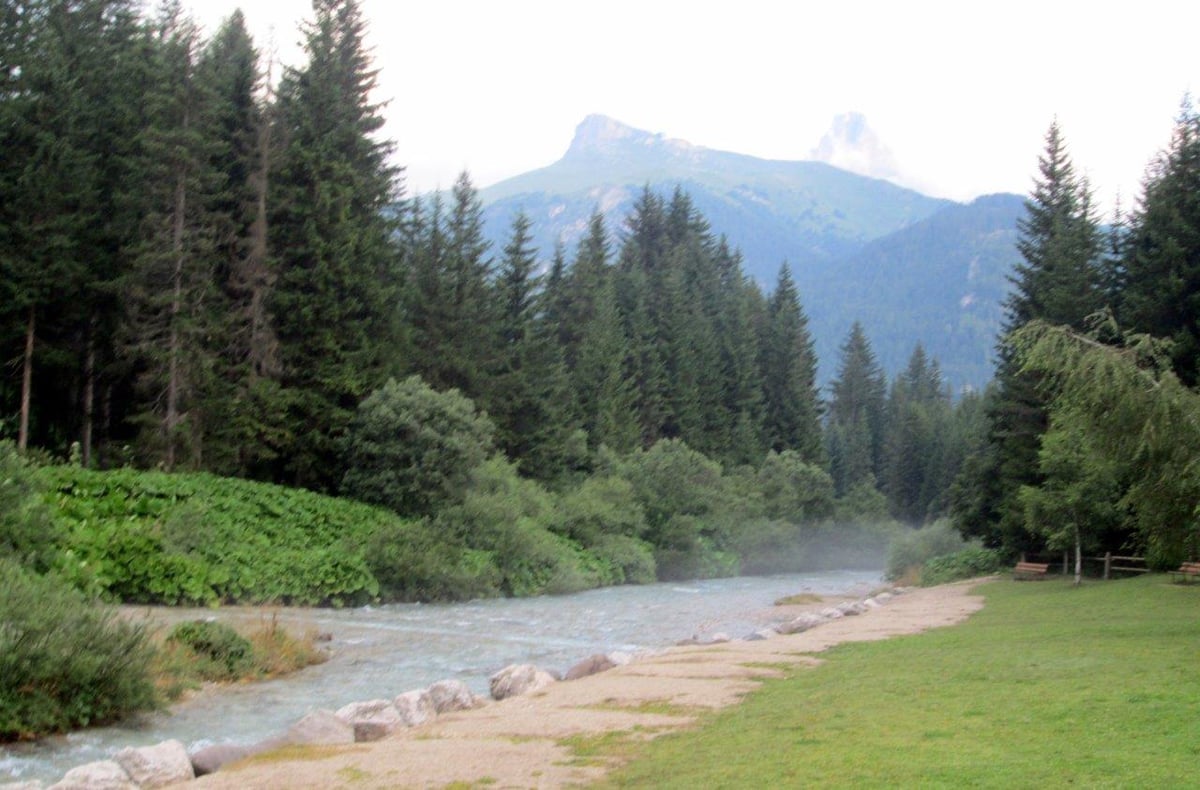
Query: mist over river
<point>385,650</point>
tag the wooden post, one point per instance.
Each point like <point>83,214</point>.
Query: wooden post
<point>1107,564</point>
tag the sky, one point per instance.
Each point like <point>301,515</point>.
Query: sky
<point>962,92</point>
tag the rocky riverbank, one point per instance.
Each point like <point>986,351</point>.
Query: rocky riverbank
<point>444,733</point>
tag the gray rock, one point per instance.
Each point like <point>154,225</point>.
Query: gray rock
<point>319,727</point>
<point>619,658</point>
<point>592,665</point>
<point>101,775</point>
<point>801,623</point>
<point>32,784</point>
<point>871,603</point>
<point>372,719</point>
<point>761,634</point>
<point>210,759</point>
<point>451,695</point>
<point>718,638</point>
<point>849,608</point>
<point>415,707</point>
<point>884,597</point>
<point>517,679</point>
<point>156,766</point>
<point>831,613</point>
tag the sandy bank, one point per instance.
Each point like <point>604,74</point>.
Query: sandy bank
<point>516,742</point>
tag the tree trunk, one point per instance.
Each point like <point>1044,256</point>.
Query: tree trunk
<point>1078,558</point>
<point>89,396</point>
<point>173,351</point>
<point>26,384</point>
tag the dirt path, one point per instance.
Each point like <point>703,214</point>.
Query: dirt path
<point>518,742</point>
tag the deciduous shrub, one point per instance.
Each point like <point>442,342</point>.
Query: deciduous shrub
<point>965,564</point>
<point>912,548</point>
<point>65,660</point>
<point>27,533</point>
<point>225,654</point>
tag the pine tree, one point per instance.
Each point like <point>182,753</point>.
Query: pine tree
<point>1161,282</point>
<point>1061,279</point>
<point>856,415</point>
<point>332,235</point>
<point>789,371</point>
<point>174,311</point>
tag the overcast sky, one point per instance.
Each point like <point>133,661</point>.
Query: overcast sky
<point>962,92</point>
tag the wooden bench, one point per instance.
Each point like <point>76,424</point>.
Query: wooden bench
<point>1026,571</point>
<point>1187,572</point>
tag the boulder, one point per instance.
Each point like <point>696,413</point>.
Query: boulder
<point>451,695</point>
<point>831,613</point>
<point>517,679</point>
<point>883,597</point>
<point>718,638</point>
<point>160,765</point>
<point>801,623</point>
<point>761,634</point>
<point>415,707</point>
<point>871,603</point>
<point>101,775</point>
<point>850,608</point>
<point>591,665</point>
<point>619,658</point>
<point>372,719</point>
<point>321,727</point>
<point>210,759</point>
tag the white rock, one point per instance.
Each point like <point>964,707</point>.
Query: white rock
<point>451,695</point>
<point>517,679</point>
<point>321,727</point>
<point>157,766</point>
<point>101,775</point>
<point>371,719</point>
<point>415,707</point>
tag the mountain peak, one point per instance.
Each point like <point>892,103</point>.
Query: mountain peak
<point>851,144</point>
<point>599,134</point>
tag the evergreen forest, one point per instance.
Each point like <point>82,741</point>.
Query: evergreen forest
<point>217,302</point>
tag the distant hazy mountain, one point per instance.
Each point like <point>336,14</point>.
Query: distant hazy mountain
<point>851,144</point>
<point>910,267</point>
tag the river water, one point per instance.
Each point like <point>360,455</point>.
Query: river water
<point>386,650</point>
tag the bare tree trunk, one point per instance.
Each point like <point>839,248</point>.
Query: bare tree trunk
<point>173,351</point>
<point>263,348</point>
<point>89,395</point>
<point>1078,557</point>
<point>26,384</point>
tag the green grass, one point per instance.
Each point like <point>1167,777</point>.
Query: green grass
<point>1047,686</point>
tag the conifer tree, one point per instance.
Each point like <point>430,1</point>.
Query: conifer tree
<point>332,237</point>
<point>856,415</point>
<point>1161,282</point>
<point>789,372</point>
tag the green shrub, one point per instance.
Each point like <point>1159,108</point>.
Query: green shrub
<point>411,448</point>
<point>225,654</point>
<point>413,562</point>
<point>65,661</point>
<point>911,549</point>
<point>631,559</point>
<point>27,533</point>
<point>966,564</point>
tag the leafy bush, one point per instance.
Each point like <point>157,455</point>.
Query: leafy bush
<point>793,490</point>
<point>911,549</point>
<point>198,538</point>
<point>965,564</point>
<point>411,448</point>
<point>27,533</point>
<point>225,654</point>
<point>414,562</point>
<point>65,661</point>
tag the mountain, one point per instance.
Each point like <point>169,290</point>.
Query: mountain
<point>851,144</point>
<point>909,266</point>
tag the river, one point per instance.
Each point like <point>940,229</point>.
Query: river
<point>385,650</point>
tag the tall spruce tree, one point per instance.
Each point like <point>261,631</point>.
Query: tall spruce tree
<point>1061,280</point>
<point>791,403</point>
<point>332,237</point>
<point>1161,282</point>
<point>856,415</point>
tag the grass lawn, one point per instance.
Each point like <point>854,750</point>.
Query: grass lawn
<point>1048,685</point>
